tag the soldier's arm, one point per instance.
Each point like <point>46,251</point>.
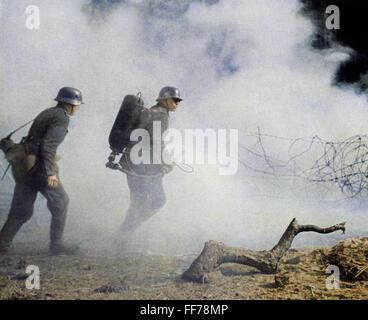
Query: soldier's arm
<point>163,118</point>
<point>166,159</point>
<point>144,119</point>
<point>54,135</point>
<point>164,123</point>
<point>166,156</point>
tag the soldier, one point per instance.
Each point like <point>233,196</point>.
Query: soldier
<point>45,135</point>
<point>147,194</point>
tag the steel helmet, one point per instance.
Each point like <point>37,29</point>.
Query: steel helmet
<point>70,95</point>
<point>169,92</point>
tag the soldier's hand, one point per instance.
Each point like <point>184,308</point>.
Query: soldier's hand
<point>53,181</point>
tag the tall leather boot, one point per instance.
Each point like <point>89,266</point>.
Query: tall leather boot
<point>56,233</point>
<point>8,232</point>
<point>21,211</point>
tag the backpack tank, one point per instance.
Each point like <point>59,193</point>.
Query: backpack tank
<point>127,119</point>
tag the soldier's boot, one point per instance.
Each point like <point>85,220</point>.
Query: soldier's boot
<point>57,202</point>
<point>7,234</point>
<point>59,248</point>
<point>135,217</point>
<point>121,239</point>
<point>20,212</point>
<point>4,249</point>
<point>56,232</point>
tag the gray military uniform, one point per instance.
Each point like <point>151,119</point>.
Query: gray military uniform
<point>45,135</point>
<point>147,194</point>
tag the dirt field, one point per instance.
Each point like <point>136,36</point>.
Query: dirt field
<point>158,277</point>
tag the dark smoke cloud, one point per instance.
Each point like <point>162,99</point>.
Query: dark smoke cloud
<point>351,34</point>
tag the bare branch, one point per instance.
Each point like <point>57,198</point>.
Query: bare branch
<point>216,253</point>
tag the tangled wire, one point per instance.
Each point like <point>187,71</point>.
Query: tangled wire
<point>345,164</point>
<point>342,164</point>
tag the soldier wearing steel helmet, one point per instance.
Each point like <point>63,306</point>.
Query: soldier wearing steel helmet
<point>45,135</point>
<point>147,194</point>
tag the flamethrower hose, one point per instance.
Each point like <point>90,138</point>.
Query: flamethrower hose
<point>184,167</point>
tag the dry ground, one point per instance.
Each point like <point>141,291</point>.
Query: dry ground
<point>152,276</point>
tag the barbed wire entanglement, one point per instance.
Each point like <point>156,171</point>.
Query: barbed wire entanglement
<point>326,166</point>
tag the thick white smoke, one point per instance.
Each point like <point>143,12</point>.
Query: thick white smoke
<point>239,64</point>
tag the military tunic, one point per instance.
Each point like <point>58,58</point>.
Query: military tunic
<point>45,135</point>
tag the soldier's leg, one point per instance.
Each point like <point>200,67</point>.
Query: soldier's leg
<point>21,210</point>
<point>57,203</point>
<point>156,194</point>
<point>132,221</point>
<point>147,196</point>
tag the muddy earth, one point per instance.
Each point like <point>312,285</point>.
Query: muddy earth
<point>112,275</point>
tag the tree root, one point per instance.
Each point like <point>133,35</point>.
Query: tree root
<point>216,253</point>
